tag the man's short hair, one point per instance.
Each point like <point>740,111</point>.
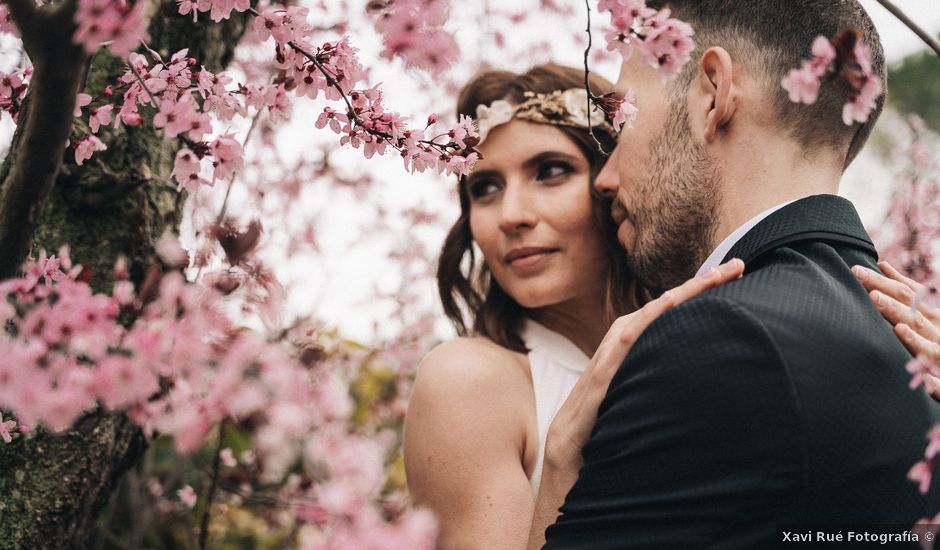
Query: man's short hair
<point>771,37</point>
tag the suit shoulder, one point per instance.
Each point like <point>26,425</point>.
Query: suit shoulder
<point>709,315</point>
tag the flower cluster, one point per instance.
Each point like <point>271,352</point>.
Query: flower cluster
<point>182,368</point>
<point>414,31</point>
<point>621,110</point>
<point>118,22</point>
<point>181,100</point>
<point>664,42</point>
<point>843,58</point>
<point>909,235</point>
<point>334,70</point>
<point>6,22</point>
<point>922,472</point>
<point>13,87</point>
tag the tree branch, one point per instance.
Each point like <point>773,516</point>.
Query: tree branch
<point>932,42</point>
<point>587,76</point>
<point>44,125</point>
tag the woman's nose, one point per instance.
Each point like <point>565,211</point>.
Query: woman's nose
<point>517,210</point>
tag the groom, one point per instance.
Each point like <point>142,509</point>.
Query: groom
<point>778,399</point>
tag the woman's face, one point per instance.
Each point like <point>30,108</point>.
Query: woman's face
<point>531,215</point>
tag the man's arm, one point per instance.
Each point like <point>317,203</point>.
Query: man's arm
<point>697,442</point>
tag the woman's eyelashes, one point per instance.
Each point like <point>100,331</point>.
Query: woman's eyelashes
<point>481,188</point>
<point>550,171</point>
<point>553,169</point>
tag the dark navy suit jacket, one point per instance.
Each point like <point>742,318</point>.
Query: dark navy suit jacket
<point>779,398</point>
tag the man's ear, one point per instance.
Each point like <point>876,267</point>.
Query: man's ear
<point>716,90</point>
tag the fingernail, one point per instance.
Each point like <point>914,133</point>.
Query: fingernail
<point>729,266</point>
<point>713,272</point>
<point>860,272</point>
<point>906,331</point>
<point>878,298</point>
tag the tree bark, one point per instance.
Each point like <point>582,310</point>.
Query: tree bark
<point>53,486</point>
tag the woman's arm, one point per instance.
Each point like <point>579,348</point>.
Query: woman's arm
<point>464,442</point>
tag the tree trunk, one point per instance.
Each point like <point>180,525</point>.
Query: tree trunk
<point>53,486</point>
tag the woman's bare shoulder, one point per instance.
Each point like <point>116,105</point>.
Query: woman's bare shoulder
<point>474,360</point>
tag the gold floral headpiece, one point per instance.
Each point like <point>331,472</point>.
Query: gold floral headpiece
<point>560,108</point>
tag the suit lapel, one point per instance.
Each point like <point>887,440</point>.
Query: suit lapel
<point>818,218</point>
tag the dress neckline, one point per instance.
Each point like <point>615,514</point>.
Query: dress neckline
<point>554,346</point>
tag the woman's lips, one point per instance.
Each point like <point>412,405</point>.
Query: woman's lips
<point>528,256</point>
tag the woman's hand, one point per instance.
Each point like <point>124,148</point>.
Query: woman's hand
<point>915,322</point>
<point>575,419</point>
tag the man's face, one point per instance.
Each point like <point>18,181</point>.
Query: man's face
<point>666,185</point>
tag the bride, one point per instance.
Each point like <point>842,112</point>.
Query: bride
<point>498,417</point>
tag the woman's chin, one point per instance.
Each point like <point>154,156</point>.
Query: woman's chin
<point>536,300</point>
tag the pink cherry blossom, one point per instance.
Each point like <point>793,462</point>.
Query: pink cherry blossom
<point>99,116</point>
<point>802,85</point>
<point>117,21</point>
<point>6,22</point>
<point>187,496</point>
<point>186,170</point>
<point>860,105</point>
<point>80,101</point>
<point>627,111</point>
<point>664,42</point>
<point>413,30</point>
<point>227,458</point>
<point>175,116</point>
<point>825,64</point>
<point>5,427</point>
<point>228,156</point>
<point>86,147</point>
<point>921,473</point>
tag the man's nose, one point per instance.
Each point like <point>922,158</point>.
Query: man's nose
<point>607,182</point>
<point>516,210</point>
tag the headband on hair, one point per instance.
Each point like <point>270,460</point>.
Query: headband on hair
<point>560,108</point>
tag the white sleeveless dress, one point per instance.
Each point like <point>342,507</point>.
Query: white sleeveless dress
<point>556,365</point>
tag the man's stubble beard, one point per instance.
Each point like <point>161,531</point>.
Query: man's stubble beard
<point>676,210</point>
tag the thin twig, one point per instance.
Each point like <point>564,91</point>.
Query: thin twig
<point>587,83</point>
<point>140,79</point>
<point>216,465</point>
<point>228,191</point>
<point>932,42</point>
<point>332,82</point>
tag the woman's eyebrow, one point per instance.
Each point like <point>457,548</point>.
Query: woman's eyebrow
<point>539,158</point>
<point>475,175</point>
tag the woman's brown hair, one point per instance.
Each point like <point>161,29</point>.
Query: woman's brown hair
<point>468,287</point>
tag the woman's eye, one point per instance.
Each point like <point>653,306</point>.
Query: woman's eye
<point>484,188</point>
<point>553,169</point>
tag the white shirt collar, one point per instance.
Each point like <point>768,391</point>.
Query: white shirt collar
<point>714,259</point>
